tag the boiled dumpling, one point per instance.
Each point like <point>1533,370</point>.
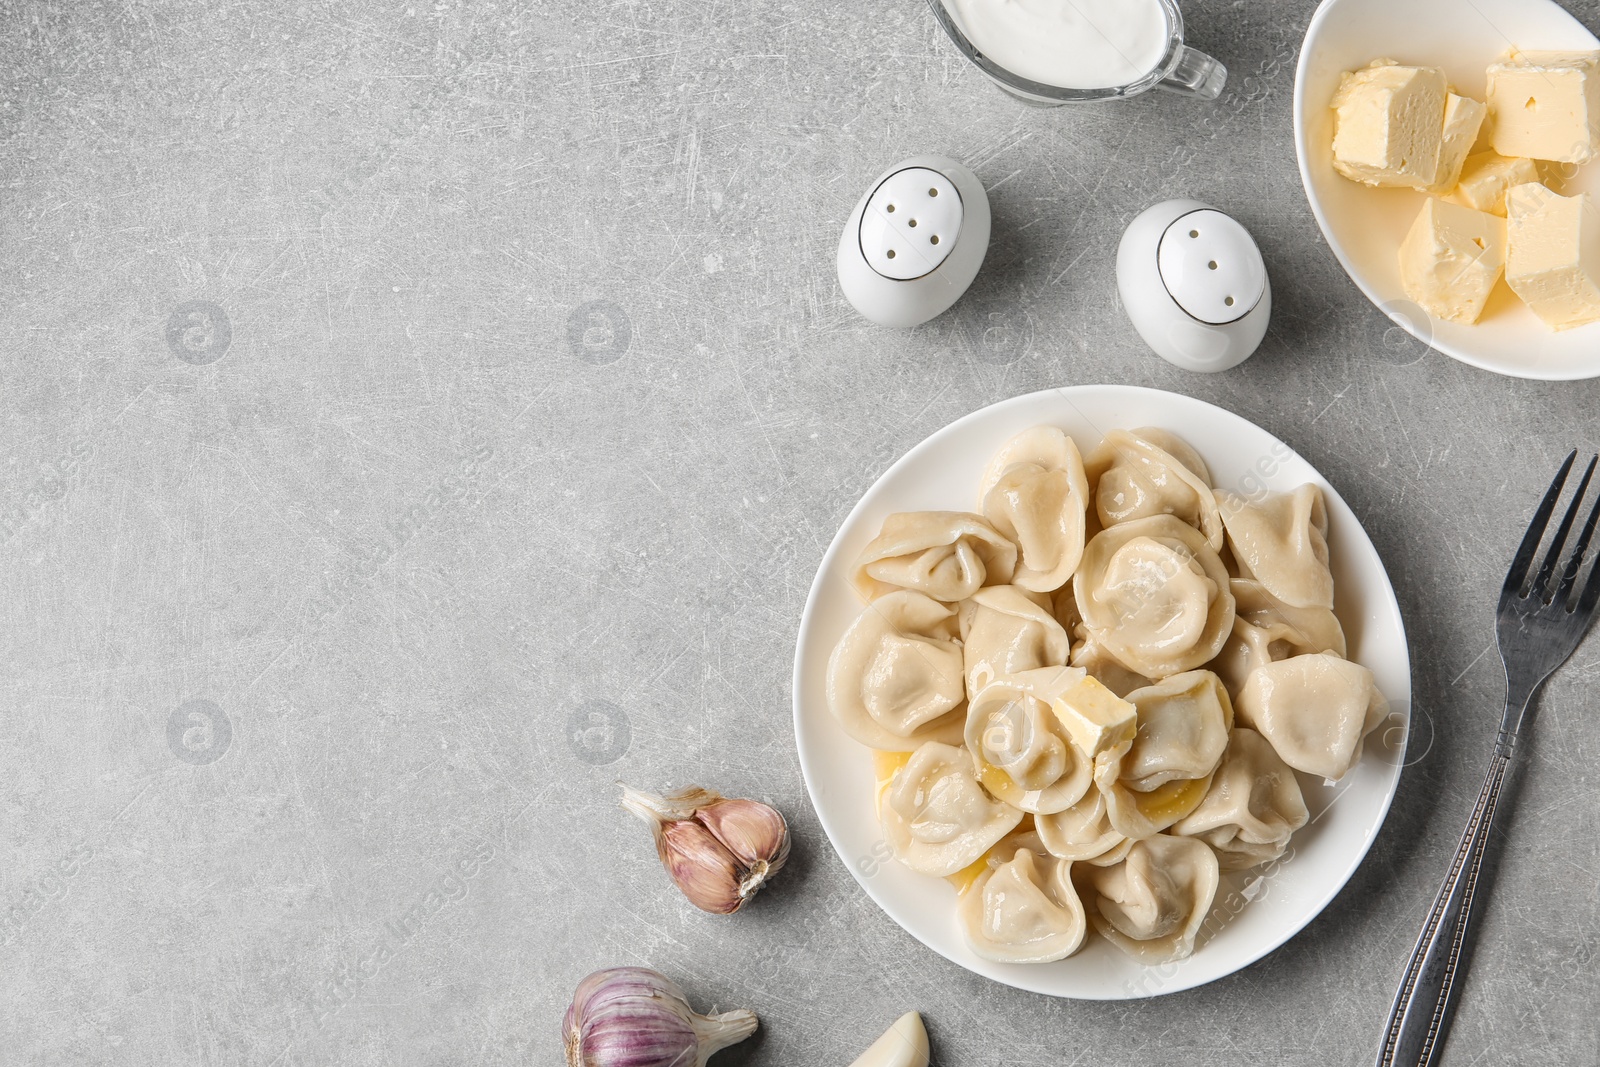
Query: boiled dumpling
<point>1081,832</point>
<point>1035,493</point>
<point>1314,710</point>
<point>1022,753</point>
<point>936,818</point>
<point>1281,541</point>
<point>1316,628</point>
<point>1183,731</point>
<point>1155,595</point>
<point>1153,903</point>
<point>1023,909</point>
<point>1266,629</point>
<point>1253,806</point>
<point>1004,630</point>
<point>895,680</point>
<point>1140,473</point>
<point>1105,668</point>
<point>949,555</point>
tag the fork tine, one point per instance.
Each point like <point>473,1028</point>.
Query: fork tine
<point>1530,541</point>
<point>1570,575</point>
<point>1591,591</point>
<point>1558,543</point>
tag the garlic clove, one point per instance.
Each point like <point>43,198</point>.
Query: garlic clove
<point>905,1044</point>
<point>719,851</point>
<point>706,872</point>
<point>756,834</point>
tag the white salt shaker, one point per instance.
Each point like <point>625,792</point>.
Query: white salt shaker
<point>1195,286</point>
<point>915,241</point>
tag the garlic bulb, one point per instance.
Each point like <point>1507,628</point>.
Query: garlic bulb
<point>719,851</point>
<point>635,1017</point>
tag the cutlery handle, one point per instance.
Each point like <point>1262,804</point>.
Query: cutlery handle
<point>1420,1018</point>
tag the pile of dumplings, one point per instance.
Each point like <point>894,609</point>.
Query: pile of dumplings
<point>1209,612</point>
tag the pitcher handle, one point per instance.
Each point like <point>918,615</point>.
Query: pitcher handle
<point>1195,74</point>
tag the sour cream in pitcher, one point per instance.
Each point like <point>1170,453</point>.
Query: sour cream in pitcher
<point>1074,44</point>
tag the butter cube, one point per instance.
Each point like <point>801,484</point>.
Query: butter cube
<point>1485,179</point>
<point>1388,125</point>
<point>1451,260</point>
<point>1096,719</point>
<point>1554,260</point>
<point>1546,105</point>
<point>1463,118</point>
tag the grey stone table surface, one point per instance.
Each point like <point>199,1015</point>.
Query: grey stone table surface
<point>397,394</point>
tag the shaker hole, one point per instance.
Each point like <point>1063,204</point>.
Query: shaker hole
<point>891,208</point>
<point>913,222</point>
<point>934,239</point>
<point>933,192</point>
<point>1212,264</point>
<point>1194,233</point>
<point>891,253</point>
<point>1229,301</point>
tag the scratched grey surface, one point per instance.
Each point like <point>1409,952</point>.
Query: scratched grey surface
<point>420,416</point>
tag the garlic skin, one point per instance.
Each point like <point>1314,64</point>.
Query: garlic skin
<point>636,1017</point>
<point>719,851</point>
<point>905,1044</point>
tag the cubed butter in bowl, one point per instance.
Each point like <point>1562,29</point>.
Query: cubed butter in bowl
<point>1554,257</point>
<point>1452,258</point>
<point>1546,105</point>
<point>1402,126</point>
<point>1387,127</point>
<point>1366,224</point>
<point>1485,179</point>
<point>1463,120</point>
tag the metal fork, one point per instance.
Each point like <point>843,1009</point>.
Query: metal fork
<point>1539,625</point>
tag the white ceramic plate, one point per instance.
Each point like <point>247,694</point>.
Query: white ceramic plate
<point>1256,911</point>
<point>1365,226</point>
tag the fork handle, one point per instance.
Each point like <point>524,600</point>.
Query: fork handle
<point>1420,1018</point>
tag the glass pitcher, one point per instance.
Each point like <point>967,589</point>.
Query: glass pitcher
<point>1181,69</point>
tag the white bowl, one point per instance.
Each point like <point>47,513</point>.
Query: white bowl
<point>1365,226</point>
<point>1256,911</point>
